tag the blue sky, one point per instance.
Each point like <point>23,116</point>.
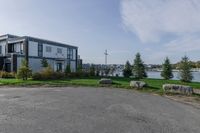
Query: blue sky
<point>155,28</point>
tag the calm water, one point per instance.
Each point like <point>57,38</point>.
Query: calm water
<point>156,75</point>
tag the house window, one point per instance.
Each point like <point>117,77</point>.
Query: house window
<point>0,49</point>
<point>40,49</point>
<point>70,53</point>
<point>48,49</point>
<point>59,50</point>
<point>21,48</point>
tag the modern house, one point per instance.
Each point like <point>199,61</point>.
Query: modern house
<point>14,49</point>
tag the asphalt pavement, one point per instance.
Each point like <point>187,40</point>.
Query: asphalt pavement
<point>92,110</point>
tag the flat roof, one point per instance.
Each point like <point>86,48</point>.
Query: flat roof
<point>49,42</point>
<point>6,36</point>
<point>15,39</point>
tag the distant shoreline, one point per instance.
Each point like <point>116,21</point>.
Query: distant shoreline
<point>174,70</point>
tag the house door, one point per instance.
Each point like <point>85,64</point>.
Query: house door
<point>8,67</point>
<point>59,67</point>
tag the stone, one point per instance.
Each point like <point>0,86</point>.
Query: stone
<point>137,84</point>
<point>105,81</point>
<point>182,89</point>
<point>196,91</point>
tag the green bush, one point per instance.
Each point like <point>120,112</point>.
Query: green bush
<point>58,75</point>
<point>48,74</point>
<point>37,76</point>
<point>4,74</point>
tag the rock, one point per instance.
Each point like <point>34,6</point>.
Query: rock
<point>196,91</point>
<point>105,81</point>
<point>137,84</point>
<point>178,88</point>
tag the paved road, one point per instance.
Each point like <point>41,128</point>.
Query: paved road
<point>92,110</point>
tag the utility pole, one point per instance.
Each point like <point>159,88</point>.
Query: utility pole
<point>106,54</point>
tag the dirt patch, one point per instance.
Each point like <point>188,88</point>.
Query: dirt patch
<point>191,100</point>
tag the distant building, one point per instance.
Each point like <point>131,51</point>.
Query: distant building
<point>13,49</point>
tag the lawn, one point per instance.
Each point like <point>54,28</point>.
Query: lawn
<point>154,85</point>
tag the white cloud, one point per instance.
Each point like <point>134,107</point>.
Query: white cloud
<point>184,44</point>
<point>153,20</point>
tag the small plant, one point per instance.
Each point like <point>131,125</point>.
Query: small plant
<point>24,72</point>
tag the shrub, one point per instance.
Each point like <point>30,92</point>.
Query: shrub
<point>58,75</point>
<point>68,69</point>
<point>37,76</point>
<point>48,74</point>
<point>4,74</point>
<point>85,74</point>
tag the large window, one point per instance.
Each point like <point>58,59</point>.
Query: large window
<point>70,53</point>
<point>59,50</point>
<point>48,49</point>
<point>21,48</point>
<point>40,50</point>
<point>0,49</point>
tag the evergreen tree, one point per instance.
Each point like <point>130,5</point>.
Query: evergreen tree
<point>127,72</point>
<point>44,63</point>
<point>185,70</point>
<point>68,69</point>
<point>138,67</point>
<point>24,72</point>
<point>167,69</point>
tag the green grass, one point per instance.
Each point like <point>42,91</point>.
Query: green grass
<point>154,85</point>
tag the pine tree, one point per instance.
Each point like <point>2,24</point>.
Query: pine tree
<point>44,63</point>
<point>24,72</point>
<point>185,70</point>
<point>138,67</point>
<point>167,69</point>
<point>127,72</point>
